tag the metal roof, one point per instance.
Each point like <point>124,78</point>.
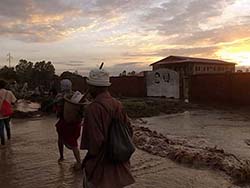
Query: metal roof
<point>183,59</point>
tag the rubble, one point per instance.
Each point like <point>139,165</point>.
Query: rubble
<point>180,151</point>
<point>27,109</point>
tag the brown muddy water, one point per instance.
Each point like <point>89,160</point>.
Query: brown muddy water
<point>30,158</point>
<point>224,129</point>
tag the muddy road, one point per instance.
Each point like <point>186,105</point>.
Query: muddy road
<point>30,160</point>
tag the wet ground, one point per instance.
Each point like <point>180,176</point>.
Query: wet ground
<point>224,129</point>
<point>30,158</point>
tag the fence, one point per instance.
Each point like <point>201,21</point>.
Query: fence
<point>125,86</point>
<point>225,88</point>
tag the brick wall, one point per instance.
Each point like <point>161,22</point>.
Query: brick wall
<point>126,86</point>
<point>221,88</point>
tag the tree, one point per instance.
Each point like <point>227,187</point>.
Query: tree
<point>24,71</point>
<point>39,74</point>
<point>124,73</point>
<point>8,73</point>
<point>132,73</point>
<point>43,72</point>
<point>69,75</point>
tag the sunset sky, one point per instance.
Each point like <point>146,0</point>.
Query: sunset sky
<point>125,34</point>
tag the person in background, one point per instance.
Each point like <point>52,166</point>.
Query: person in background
<point>67,133</point>
<point>5,121</point>
<point>24,90</point>
<point>99,172</point>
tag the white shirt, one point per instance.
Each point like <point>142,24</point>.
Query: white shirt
<point>8,96</point>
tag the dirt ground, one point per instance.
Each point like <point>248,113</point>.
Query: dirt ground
<point>152,171</point>
<point>30,158</point>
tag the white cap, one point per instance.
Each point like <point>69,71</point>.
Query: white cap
<point>66,85</point>
<point>98,77</point>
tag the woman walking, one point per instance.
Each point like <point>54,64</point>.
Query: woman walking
<point>68,133</point>
<point>6,96</point>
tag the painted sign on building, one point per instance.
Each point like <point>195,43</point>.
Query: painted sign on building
<point>163,82</point>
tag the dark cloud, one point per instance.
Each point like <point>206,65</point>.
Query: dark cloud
<point>188,26</point>
<point>182,51</point>
<point>184,16</point>
<point>176,23</point>
<point>83,69</point>
<point>73,64</point>
<point>137,54</point>
<point>52,20</point>
<point>226,33</point>
<point>15,9</point>
<point>195,51</point>
<point>125,64</point>
<point>36,20</point>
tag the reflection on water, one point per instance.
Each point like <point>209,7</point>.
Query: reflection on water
<point>30,158</point>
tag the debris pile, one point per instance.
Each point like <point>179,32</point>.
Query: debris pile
<point>27,109</point>
<point>181,152</point>
<point>21,115</point>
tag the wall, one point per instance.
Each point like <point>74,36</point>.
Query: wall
<point>225,88</point>
<point>126,86</point>
<point>163,82</point>
<point>212,68</point>
<point>241,88</point>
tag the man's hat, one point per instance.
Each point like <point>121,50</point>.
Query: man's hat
<point>98,77</point>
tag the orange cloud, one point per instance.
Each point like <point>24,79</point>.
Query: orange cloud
<point>237,51</point>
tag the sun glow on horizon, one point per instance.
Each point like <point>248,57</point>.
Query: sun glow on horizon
<point>241,58</point>
<point>238,52</point>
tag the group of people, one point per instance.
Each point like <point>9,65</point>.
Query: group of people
<point>6,96</point>
<point>99,171</point>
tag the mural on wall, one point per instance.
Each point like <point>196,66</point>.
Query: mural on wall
<point>163,82</point>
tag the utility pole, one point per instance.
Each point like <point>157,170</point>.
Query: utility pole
<point>9,57</point>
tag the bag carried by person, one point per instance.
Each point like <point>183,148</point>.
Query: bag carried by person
<point>120,145</point>
<point>119,142</point>
<point>6,108</point>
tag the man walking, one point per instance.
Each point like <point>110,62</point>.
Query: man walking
<point>99,170</point>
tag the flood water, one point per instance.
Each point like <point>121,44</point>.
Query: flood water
<point>30,158</point>
<point>224,129</point>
